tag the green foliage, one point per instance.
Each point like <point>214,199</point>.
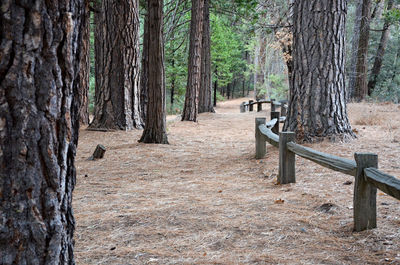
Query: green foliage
<point>392,16</point>
<point>220,97</point>
<point>226,50</point>
<point>279,86</point>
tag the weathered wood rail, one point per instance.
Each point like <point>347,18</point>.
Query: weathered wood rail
<point>364,168</point>
<point>244,106</point>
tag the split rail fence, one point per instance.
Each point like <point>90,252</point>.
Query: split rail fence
<point>364,168</point>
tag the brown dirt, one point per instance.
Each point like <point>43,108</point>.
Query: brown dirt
<point>204,199</point>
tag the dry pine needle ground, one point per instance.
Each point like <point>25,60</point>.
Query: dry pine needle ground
<point>204,199</point>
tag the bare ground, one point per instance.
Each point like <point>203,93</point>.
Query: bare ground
<point>204,199</point>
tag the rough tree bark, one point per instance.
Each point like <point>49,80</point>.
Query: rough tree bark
<point>360,85</point>
<point>84,72</point>
<point>190,109</point>
<point>155,127</point>
<point>39,124</point>
<point>117,66</point>
<point>352,70</point>
<point>380,52</point>
<point>205,94</point>
<point>317,106</point>
<point>144,68</point>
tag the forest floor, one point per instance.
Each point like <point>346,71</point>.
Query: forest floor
<point>205,199</point>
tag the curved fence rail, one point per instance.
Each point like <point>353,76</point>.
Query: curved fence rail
<point>364,168</point>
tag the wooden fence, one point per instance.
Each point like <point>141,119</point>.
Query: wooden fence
<point>364,168</point>
<point>244,106</point>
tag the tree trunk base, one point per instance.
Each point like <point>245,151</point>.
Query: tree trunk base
<point>152,137</point>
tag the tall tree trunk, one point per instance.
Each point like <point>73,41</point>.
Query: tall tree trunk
<point>317,106</point>
<point>173,80</point>
<point>190,109</point>
<point>155,130</point>
<point>380,52</point>
<point>215,87</point>
<point>39,124</point>
<point>205,94</point>
<point>360,87</point>
<point>84,73</point>
<point>144,68</point>
<point>395,61</point>
<point>228,90</point>
<point>259,60</point>
<point>259,77</point>
<point>352,70</point>
<point>117,78</point>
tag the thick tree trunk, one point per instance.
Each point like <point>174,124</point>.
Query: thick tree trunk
<point>117,78</point>
<point>317,106</point>
<point>155,130</point>
<point>205,94</point>
<point>360,86</point>
<point>39,124</point>
<point>190,109</point>
<point>84,72</point>
<point>352,70</point>
<point>144,68</point>
<point>380,52</point>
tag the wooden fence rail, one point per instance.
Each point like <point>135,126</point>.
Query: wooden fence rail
<point>244,106</point>
<point>364,168</point>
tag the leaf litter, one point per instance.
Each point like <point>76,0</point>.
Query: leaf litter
<point>201,200</point>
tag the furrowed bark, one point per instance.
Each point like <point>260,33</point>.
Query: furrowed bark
<point>117,66</point>
<point>84,73</point>
<point>190,109</point>
<point>39,123</point>
<point>317,106</point>
<point>205,102</point>
<point>155,129</point>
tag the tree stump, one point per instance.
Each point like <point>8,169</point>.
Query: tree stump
<point>98,152</point>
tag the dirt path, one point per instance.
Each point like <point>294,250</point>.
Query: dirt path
<point>204,199</point>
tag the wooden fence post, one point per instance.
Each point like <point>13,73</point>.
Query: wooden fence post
<point>261,144</point>
<point>259,106</point>
<point>251,105</point>
<point>272,105</point>
<point>275,115</point>
<point>242,108</point>
<point>287,173</point>
<point>364,199</point>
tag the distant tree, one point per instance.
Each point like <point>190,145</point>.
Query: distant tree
<point>205,94</point>
<point>40,48</point>
<point>260,91</point>
<point>190,109</point>
<point>84,72</point>
<point>317,105</point>
<point>117,66</point>
<point>380,52</point>
<point>352,70</point>
<point>144,66</point>
<point>360,85</point>
<point>155,127</point>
